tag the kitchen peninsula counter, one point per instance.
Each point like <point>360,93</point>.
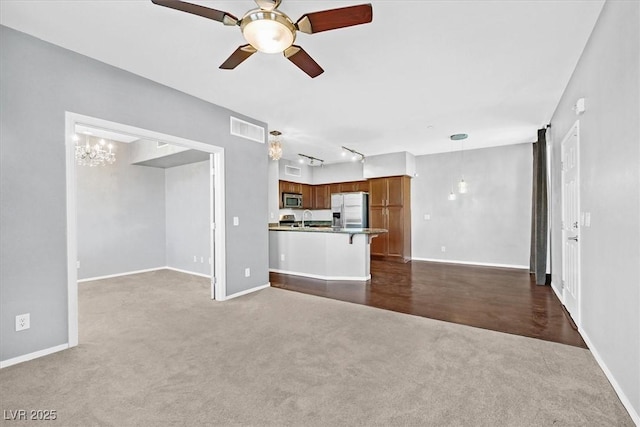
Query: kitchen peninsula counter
<point>325,253</point>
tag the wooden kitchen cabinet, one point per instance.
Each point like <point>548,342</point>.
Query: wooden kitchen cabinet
<point>395,190</point>
<point>354,186</point>
<point>288,187</point>
<point>377,219</point>
<point>377,192</point>
<point>334,188</point>
<point>321,197</point>
<point>307,197</point>
<point>390,208</point>
<point>395,236</point>
<point>388,191</point>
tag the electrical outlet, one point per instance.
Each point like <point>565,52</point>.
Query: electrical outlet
<point>23,321</point>
<point>195,258</point>
<point>427,217</point>
<point>247,272</point>
<point>201,260</point>
<point>77,264</point>
<point>281,257</point>
<point>443,248</point>
<point>236,221</point>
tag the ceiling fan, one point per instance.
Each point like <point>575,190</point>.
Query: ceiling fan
<point>268,30</point>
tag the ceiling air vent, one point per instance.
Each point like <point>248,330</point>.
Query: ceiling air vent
<point>247,130</point>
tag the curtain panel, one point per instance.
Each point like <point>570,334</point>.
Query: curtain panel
<point>539,211</point>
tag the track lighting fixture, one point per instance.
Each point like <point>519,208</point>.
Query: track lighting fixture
<point>313,161</point>
<point>355,156</point>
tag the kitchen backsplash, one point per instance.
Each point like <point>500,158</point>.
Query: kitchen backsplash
<point>316,215</point>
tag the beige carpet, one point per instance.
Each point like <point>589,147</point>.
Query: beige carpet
<point>155,351</point>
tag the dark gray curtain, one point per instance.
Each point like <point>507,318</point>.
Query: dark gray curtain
<point>539,211</point>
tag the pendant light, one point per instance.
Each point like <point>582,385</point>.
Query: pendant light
<point>275,146</point>
<point>462,184</point>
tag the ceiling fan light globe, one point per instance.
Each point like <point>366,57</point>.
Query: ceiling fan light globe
<point>268,31</point>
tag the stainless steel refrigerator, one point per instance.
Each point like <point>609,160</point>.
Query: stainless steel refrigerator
<point>350,210</point>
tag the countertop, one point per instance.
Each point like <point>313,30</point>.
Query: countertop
<point>331,230</point>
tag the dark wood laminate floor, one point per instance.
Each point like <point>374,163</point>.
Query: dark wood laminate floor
<point>499,299</point>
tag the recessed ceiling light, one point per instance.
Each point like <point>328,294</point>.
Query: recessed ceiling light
<point>458,136</point>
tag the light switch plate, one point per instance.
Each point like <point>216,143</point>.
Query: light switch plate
<point>236,220</point>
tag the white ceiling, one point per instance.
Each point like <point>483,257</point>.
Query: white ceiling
<point>421,71</point>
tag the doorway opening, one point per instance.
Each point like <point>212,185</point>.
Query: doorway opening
<point>181,150</point>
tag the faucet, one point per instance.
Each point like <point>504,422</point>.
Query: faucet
<point>304,213</point>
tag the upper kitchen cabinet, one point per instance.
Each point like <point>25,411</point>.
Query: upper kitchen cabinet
<point>354,186</point>
<point>389,191</point>
<point>290,187</point>
<point>321,196</point>
<point>377,192</point>
<point>307,196</point>
<point>334,188</point>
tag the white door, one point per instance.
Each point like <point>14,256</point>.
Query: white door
<point>571,223</point>
<point>212,231</point>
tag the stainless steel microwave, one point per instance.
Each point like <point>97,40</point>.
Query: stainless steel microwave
<point>291,200</point>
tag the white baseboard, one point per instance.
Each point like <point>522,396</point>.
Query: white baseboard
<point>34,355</point>
<point>208,276</point>
<point>557,291</point>
<point>317,276</point>
<point>245,292</point>
<point>127,273</point>
<point>483,264</point>
<point>623,397</point>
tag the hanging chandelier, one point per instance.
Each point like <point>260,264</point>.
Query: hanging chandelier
<point>275,146</point>
<point>97,154</point>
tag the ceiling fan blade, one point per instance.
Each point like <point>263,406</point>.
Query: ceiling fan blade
<point>298,56</point>
<point>237,57</point>
<point>216,15</point>
<point>332,19</point>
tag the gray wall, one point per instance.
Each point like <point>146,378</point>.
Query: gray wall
<point>39,83</point>
<point>392,164</point>
<point>120,217</point>
<point>338,172</point>
<point>491,223</point>
<point>188,217</point>
<point>306,172</point>
<point>273,179</point>
<point>608,77</point>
